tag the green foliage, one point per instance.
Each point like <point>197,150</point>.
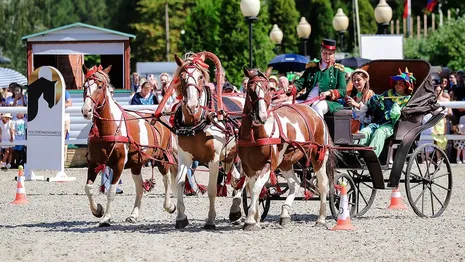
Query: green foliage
<point>285,15</point>
<point>368,23</point>
<point>234,40</point>
<point>446,46</point>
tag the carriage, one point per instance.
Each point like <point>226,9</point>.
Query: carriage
<point>422,166</point>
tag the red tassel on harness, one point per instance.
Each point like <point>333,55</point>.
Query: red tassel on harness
<point>278,189</point>
<point>102,189</point>
<point>263,193</point>
<point>307,194</point>
<point>273,179</point>
<point>221,191</point>
<point>228,179</point>
<point>187,188</point>
<point>202,188</point>
<point>100,168</point>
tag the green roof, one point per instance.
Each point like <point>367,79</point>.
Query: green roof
<point>79,24</point>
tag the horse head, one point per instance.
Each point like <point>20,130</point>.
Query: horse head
<point>191,76</point>
<point>95,90</point>
<point>258,97</point>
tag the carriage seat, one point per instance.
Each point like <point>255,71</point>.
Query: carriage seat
<point>339,126</point>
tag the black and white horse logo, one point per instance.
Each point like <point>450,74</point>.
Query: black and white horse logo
<point>35,90</point>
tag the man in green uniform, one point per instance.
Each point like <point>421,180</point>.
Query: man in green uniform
<point>324,79</point>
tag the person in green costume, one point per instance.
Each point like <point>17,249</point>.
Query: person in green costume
<point>385,111</point>
<point>324,79</point>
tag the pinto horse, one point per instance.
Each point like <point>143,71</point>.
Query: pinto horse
<point>122,139</point>
<point>201,136</point>
<point>277,138</point>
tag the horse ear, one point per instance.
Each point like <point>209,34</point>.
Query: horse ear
<point>202,56</point>
<point>107,70</point>
<point>246,72</point>
<point>268,71</point>
<point>178,60</point>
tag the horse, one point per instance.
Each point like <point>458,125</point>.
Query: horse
<point>277,138</point>
<point>201,136</point>
<point>122,139</point>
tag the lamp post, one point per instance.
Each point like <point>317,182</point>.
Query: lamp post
<point>276,36</point>
<point>340,24</point>
<point>250,10</point>
<point>304,29</point>
<point>383,16</point>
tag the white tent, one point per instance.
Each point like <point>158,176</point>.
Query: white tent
<point>8,76</point>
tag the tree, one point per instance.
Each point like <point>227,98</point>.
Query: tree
<point>368,23</point>
<point>202,28</point>
<point>234,40</point>
<point>285,15</point>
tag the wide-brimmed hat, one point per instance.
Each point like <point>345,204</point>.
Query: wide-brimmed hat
<point>358,71</point>
<point>406,76</point>
<point>7,115</point>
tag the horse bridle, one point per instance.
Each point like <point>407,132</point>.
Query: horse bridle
<point>197,85</point>
<point>100,84</point>
<point>257,83</point>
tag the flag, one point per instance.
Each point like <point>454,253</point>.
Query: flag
<point>431,4</point>
<point>405,9</point>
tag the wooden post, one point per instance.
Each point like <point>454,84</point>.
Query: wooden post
<point>441,18</point>
<point>392,27</point>
<point>425,25</point>
<point>433,22</point>
<point>448,15</point>
<point>418,27</point>
<point>404,24</point>
<point>397,27</point>
<point>410,34</point>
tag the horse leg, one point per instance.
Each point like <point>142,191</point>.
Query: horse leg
<point>97,209</point>
<point>117,170</point>
<point>292,181</point>
<point>213,167</point>
<point>235,213</point>
<point>255,185</point>
<point>323,188</point>
<point>185,162</point>
<point>167,182</point>
<point>137,178</point>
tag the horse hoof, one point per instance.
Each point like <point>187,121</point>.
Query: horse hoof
<point>321,224</point>
<point>284,221</point>
<point>234,217</point>
<point>181,223</point>
<point>172,211</point>
<point>104,224</point>
<point>209,227</point>
<point>99,212</point>
<point>131,220</point>
<point>250,227</point>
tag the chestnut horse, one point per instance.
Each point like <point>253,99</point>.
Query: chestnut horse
<point>277,138</point>
<point>122,139</point>
<point>201,136</point>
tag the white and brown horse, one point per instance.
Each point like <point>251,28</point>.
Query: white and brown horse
<point>121,139</point>
<point>277,138</point>
<point>201,136</point>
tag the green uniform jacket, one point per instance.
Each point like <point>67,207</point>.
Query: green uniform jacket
<point>332,78</point>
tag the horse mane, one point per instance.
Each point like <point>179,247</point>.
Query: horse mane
<point>102,76</point>
<point>189,61</point>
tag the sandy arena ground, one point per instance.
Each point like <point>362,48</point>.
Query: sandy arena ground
<point>57,226</point>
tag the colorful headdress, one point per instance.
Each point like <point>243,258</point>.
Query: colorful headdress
<point>93,70</point>
<point>407,77</point>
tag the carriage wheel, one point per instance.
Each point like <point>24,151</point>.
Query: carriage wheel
<point>365,192</point>
<point>335,195</point>
<point>428,181</point>
<point>263,203</point>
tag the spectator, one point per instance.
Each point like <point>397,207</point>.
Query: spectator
<point>17,98</point>
<point>19,152</point>
<point>283,84</point>
<point>245,81</point>
<point>452,81</point>
<point>135,82</point>
<point>145,96</point>
<point>228,88</point>
<point>445,87</point>
<point>273,83</point>
<point>439,130</point>
<point>7,134</point>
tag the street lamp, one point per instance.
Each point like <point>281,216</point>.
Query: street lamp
<point>250,10</point>
<point>276,36</point>
<point>304,29</point>
<point>383,15</point>
<point>340,24</point>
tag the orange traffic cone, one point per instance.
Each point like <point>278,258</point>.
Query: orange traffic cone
<point>396,200</point>
<point>343,219</point>
<point>20,191</point>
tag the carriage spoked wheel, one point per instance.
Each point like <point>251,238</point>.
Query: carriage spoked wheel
<point>428,181</point>
<point>263,203</point>
<point>335,195</point>
<point>366,194</point>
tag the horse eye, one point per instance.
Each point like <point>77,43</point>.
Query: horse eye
<point>200,77</point>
